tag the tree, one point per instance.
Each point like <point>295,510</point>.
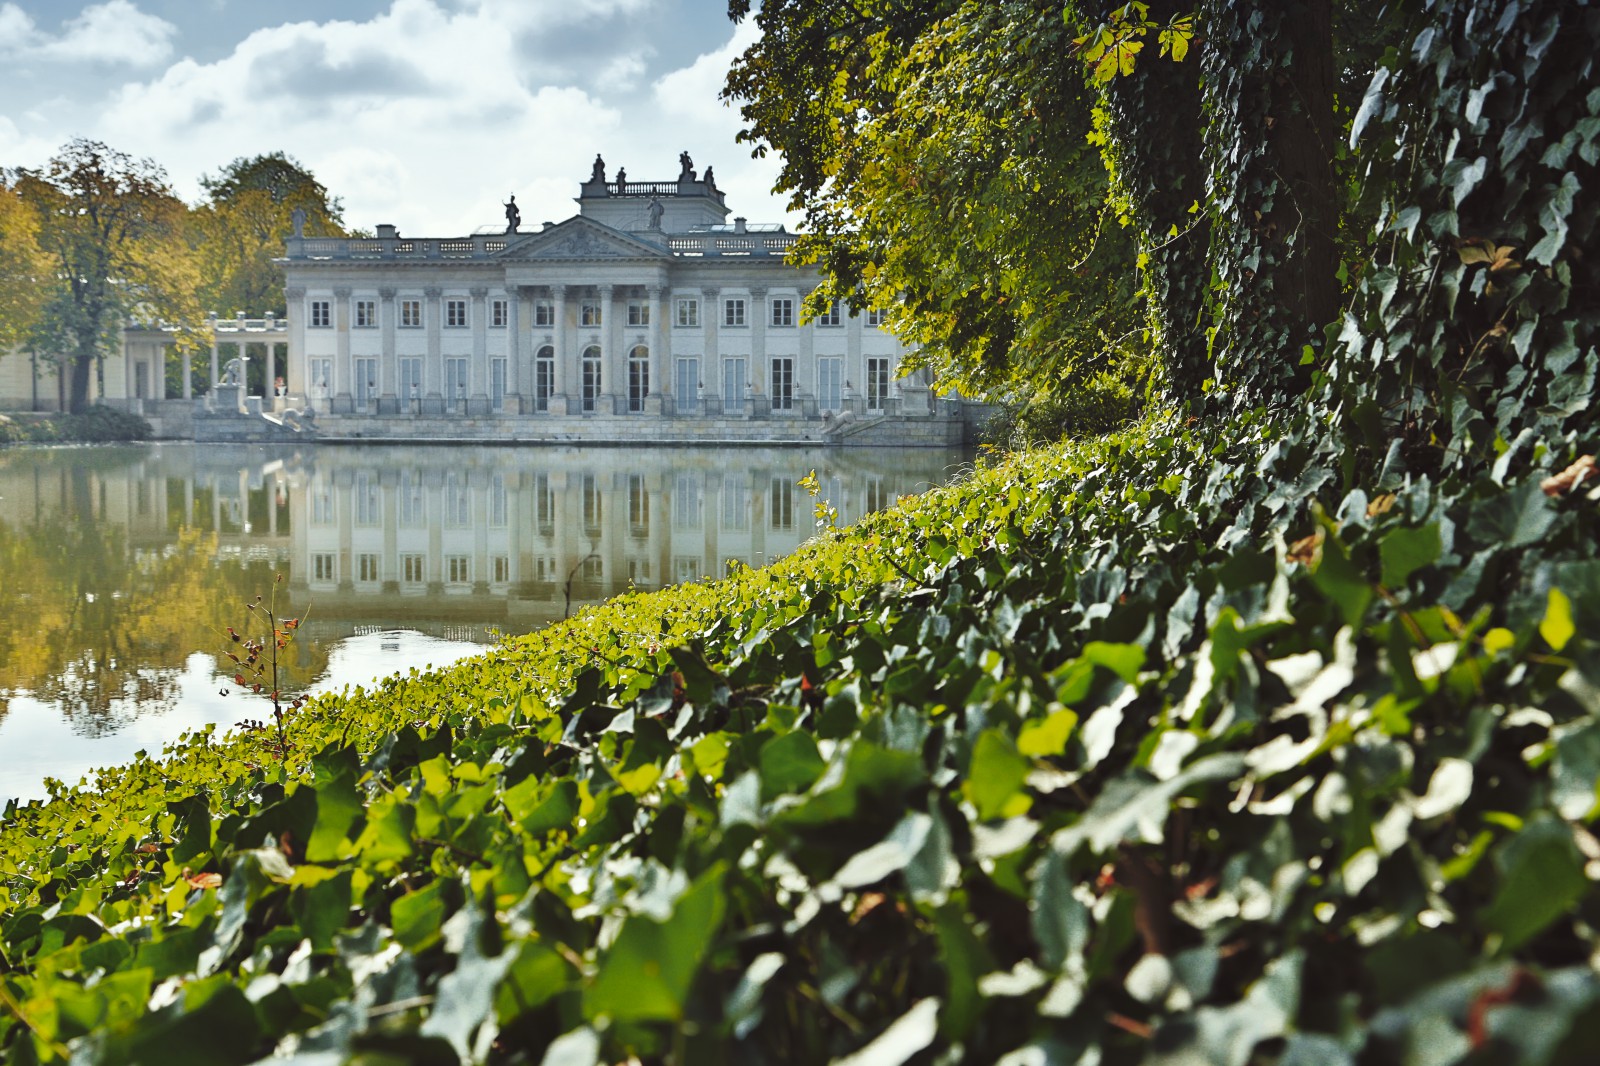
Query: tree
<point>112,231</point>
<point>940,154</point>
<point>938,151</point>
<point>24,270</point>
<point>242,225</point>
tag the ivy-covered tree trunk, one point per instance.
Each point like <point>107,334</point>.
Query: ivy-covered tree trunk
<point>1155,148</point>
<point>1269,144</point>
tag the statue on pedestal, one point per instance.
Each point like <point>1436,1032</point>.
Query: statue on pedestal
<point>599,172</point>
<point>513,215</point>
<point>656,211</point>
<point>685,167</point>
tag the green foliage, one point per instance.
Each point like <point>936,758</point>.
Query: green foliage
<point>110,229</point>
<point>940,153</point>
<point>240,228</point>
<point>95,425</point>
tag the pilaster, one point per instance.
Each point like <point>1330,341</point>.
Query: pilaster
<point>478,389</point>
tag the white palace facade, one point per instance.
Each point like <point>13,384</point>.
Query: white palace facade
<point>646,316</point>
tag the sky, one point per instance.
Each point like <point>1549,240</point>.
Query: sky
<point>425,114</point>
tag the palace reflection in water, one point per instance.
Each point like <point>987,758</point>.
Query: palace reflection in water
<point>129,562</point>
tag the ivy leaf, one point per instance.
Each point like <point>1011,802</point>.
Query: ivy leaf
<point>1406,550</point>
<point>909,1034</point>
<point>647,972</point>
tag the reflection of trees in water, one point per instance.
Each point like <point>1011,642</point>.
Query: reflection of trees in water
<point>103,630</point>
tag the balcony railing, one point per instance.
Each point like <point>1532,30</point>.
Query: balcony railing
<point>720,242</point>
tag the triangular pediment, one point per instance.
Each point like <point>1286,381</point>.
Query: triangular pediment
<point>582,238</point>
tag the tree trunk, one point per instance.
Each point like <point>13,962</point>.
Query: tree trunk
<point>78,394</point>
<point>1269,144</point>
<point>1155,133</point>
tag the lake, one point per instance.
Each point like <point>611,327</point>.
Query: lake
<point>121,568</point>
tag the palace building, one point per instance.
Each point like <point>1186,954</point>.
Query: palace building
<point>647,316</point>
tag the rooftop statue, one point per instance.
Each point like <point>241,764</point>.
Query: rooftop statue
<point>298,220</point>
<point>599,172</point>
<point>513,215</point>
<point>686,167</point>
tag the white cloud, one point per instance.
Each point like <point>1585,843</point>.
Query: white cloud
<point>429,113</point>
<point>115,32</point>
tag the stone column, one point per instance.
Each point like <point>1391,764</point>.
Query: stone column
<point>216,374</point>
<point>613,360</point>
<point>806,362</point>
<point>566,396</point>
<point>186,358</point>
<point>433,365</point>
<point>660,357</point>
<point>343,369</point>
<point>711,356</point>
<point>389,360</point>
<point>855,364</point>
<point>478,403</point>
<point>295,305</point>
<point>514,297</point>
<point>758,335</point>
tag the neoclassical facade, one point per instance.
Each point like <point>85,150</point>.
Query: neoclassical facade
<point>648,315</point>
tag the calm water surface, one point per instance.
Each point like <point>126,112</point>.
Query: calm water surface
<point>120,568</point>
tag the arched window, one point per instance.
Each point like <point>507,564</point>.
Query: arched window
<point>638,378</point>
<point>591,378</point>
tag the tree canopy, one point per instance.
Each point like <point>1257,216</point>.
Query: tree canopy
<point>112,232</point>
<point>241,225</point>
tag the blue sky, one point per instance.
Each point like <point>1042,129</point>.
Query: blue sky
<point>420,113</point>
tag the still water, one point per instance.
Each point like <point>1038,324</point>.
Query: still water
<point>122,567</point>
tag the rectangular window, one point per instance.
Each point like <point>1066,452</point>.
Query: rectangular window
<point>497,384</point>
<point>780,504</point>
<point>686,384</point>
<point>455,313</point>
<point>544,313</point>
<point>783,384</point>
<point>733,312</point>
<point>589,313</point>
<point>877,383</point>
<point>688,312</point>
<point>638,382</point>
<point>499,314</point>
<point>735,384</point>
<point>367,568</point>
<point>594,568</point>
<point>638,313</point>
<point>366,381</point>
<point>782,311</point>
<point>410,314</point>
<point>321,377</point>
<point>410,378</point>
<point>414,568</point>
<point>830,383</point>
<point>875,318</point>
<point>458,569</point>
<point>455,378</point>
<point>325,566</point>
<point>544,380</point>
<point>366,314</point>
<point>829,317</point>
<point>500,567</point>
<point>321,314</point>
